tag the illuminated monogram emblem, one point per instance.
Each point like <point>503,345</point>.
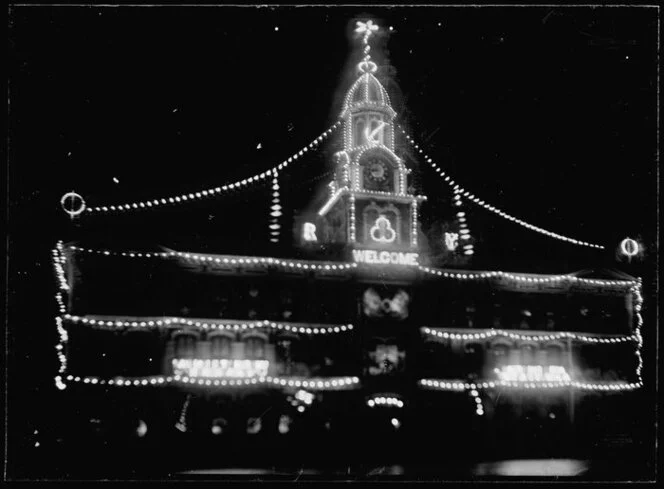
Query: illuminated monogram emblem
<point>451,241</point>
<point>382,231</point>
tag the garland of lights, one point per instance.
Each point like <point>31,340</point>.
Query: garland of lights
<point>452,385</point>
<point>298,264</point>
<point>463,226</point>
<point>59,261</point>
<point>479,407</point>
<point>331,266</point>
<point>352,237</point>
<point>491,208</point>
<point>468,275</point>
<point>314,383</point>
<point>211,324</point>
<point>182,421</point>
<point>276,210</point>
<point>455,385</point>
<point>535,336</point>
<point>413,223</point>
<point>147,204</point>
<point>385,400</point>
<point>638,298</point>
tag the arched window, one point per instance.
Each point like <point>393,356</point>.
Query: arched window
<point>550,321</point>
<point>285,349</point>
<point>220,346</point>
<point>500,355</point>
<point>474,353</point>
<point>528,354</point>
<point>497,316</point>
<point>374,124</point>
<point>286,306</point>
<point>185,346</point>
<point>526,317</point>
<point>359,131</point>
<point>254,348</point>
<point>554,355</point>
<point>470,316</point>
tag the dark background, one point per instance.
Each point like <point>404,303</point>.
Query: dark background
<point>546,113</point>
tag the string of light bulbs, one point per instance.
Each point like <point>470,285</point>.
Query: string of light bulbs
<point>154,203</point>
<point>275,210</point>
<point>385,400</point>
<point>59,261</point>
<point>491,208</point>
<point>638,305</point>
<point>182,420</point>
<point>455,385</point>
<point>227,260</point>
<point>314,383</point>
<point>534,336</point>
<point>479,407</point>
<point>342,266</point>
<point>115,322</point>
<point>464,231</point>
<point>471,275</point>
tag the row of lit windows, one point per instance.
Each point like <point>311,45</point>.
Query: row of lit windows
<point>221,346</point>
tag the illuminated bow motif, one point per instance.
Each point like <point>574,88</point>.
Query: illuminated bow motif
<point>396,307</point>
<point>451,241</point>
<point>382,231</point>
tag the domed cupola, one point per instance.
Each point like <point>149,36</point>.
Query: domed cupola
<point>367,93</point>
<point>367,111</point>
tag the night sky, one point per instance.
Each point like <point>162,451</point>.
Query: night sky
<point>547,113</point>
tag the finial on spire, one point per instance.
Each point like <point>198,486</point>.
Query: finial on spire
<point>367,28</point>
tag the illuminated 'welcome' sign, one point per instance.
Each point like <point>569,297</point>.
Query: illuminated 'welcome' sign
<point>195,367</point>
<point>532,373</point>
<point>385,257</point>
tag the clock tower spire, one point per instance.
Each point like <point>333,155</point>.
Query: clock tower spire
<point>369,192</point>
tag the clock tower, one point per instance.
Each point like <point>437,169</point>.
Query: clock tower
<point>369,199</point>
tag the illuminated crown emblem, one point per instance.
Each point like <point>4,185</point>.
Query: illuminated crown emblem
<point>382,230</point>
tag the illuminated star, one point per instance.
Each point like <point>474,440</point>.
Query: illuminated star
<point>367,27</point>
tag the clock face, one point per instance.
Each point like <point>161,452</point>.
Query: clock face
<point>376,170</point>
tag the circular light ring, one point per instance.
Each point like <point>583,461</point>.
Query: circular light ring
<point>72,197</point>
<point>629,247</point>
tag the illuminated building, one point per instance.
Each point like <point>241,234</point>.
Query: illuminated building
<point>375,320</point>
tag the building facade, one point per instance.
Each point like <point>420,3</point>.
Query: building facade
<point>381,328</point>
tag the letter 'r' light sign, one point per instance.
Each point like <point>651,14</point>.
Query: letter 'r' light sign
<point>309,232</point>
